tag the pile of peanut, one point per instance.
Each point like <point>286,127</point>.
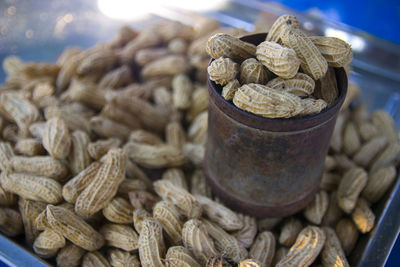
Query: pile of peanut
<point>101,158</point>
<point>288,75</point>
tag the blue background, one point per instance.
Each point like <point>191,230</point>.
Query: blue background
<point>380,18</point>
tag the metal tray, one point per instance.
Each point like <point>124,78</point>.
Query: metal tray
<point>376,68</point>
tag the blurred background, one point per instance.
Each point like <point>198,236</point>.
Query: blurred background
<point>40,31</point>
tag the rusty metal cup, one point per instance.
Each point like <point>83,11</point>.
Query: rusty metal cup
<point>266,167</point>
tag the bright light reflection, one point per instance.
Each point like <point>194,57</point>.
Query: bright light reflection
<point>357,43</point>
<point>127,9</point>
<point>201,5</point>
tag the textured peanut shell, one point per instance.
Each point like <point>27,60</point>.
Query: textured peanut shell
<point>199,103</point>
<point>337,135</point>
<point>225,243</point>
<point>139,215</point>
<point>70,256</point>
<point>107,128</point>
<point>333,254</point>
<point>253,71</point>
<point>333,213</point>
<point>348,234</point>
<point>263,248</point>
<point>385,125</point>
<point>176,176</point>
<point>326,87</point>
<point>146,55</point>
<point>114,113</point>
<point>378,183</point>
<point>104,185</point>
<point>40,165</point>
<point>79,157</point>
<point>73,228</point>
<point>280,60</point>
<point>74,187</point>
<point>369,150</point>
<point>217,262</point>
<point>197,132</point>
<point>56,138</point>
<point>48,243</point>
<point>119,258</point>
<point>18,109</point>
<point>145,137</point>
<point>248,232</point>
<point>146,38</point>
<point>362,216</point>
<point>29,210</point>
<point>220,214</point>
<point>351,185</point>
<point>280,26</point>
<point>76,116</point>
<point>307,247</point>
<point>312,61</point>
<point>180,256</point>
<point>312,106</point>
<point>290,229</point>
<point>390,155</point>
<point>97,61</point>
<point>151,244</point>
<point>94,259</point>
<point>32,187</point>
<point>182,199</point>
<point>169,217</point>
<point>182,88</point>
<point>196,239</point>
<point>162,66</point>
<point>351,139</point>
<point>120,236</point>
<point>118,210</point>
<point>337,52</point>
<point>229,90</point>
<point>249,263</point>
<point>264,101</point>
<point>6,154</point>
<point>225,45</point>
<point>316,210</point>
<point>301,84</point>
<point>87,93</point>
<point>116,78</point>
<point>223,70</point>
<point>154,156</point>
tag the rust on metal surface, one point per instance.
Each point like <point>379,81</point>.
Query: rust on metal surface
<point>266,167</point>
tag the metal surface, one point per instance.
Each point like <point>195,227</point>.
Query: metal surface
<point>373,248</point>
<point>266,167</point>
<point>16,255</point>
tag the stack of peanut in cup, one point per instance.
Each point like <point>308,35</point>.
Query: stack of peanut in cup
<point>288,75</point>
